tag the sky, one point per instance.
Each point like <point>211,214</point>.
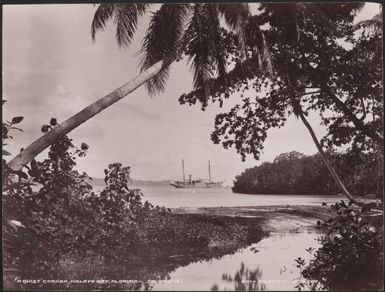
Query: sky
<point>51,68</point>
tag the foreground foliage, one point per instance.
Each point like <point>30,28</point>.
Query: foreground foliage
<point>53,218</point>
<point>351,255</point>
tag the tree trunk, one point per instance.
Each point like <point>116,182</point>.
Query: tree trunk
<point>321,152</point>
<point>87,113</point>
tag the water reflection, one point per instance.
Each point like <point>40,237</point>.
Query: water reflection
<point>137,273</point>
<point>270,261</point>
<point>266,265</point>
<point>244,280</point>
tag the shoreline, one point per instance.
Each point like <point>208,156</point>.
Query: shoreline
<point>252,224</point>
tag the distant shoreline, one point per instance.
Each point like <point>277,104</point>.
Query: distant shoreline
<point>136,183</point>
<point>98,182</point>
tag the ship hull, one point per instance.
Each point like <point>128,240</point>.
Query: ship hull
<point>196,185</point>
<point>214,185</point>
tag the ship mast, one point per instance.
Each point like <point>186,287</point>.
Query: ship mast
<point>209,172</point>
<point>184,178</point>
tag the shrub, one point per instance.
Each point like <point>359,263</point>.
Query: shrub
<point>24,251</point>
<point>351,255</point>
<point>53,217</point>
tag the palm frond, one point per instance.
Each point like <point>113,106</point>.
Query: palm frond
<point>126,19</point>
<point>217,48</point>
<point>257,43</point>
<point>236,16</point>
<point>165,32</point>
<point>241,71</point>
<point>250,36</point>
<point>205,50</point>
<point>102,14</point>
<point>267,59</point>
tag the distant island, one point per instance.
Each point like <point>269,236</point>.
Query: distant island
<point>97,182</point>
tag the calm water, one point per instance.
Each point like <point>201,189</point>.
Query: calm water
<point>171,197</point>
<point>272,267</point>
<point>266,265</point>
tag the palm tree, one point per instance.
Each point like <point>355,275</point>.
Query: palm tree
<point>172,29</point>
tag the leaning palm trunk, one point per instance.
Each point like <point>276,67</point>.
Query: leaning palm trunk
<point>87,113</point>
<point>322,153</point>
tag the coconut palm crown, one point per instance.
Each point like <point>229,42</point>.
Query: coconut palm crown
<point>175,31</point>
<point>190,30</point>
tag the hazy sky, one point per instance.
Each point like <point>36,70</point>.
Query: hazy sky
<point>51,68</point>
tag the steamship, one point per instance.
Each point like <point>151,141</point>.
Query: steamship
<point>195,183</point>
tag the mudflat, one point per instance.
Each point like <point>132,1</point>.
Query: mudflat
<point>278,218</point>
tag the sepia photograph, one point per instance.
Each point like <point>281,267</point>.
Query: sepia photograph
<point>192,146</point>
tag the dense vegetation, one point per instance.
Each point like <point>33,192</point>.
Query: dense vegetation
<point>310,57</point>
<point>351,253</point>
<point>295,173</point>
<point>53,217</point>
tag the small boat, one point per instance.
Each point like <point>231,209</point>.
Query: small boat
<point>197,183</point>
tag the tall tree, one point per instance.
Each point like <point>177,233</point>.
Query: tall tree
<point>325,68</point>
<point>311,67</point>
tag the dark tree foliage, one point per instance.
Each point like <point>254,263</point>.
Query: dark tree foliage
<point>315,47</point>
<point>319,62</point>
<point>295,173</point>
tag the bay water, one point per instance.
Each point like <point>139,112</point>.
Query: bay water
<point>171,197</point>
<point>266,265</point>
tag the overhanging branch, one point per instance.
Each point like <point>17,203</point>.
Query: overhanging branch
<point>358,123</point>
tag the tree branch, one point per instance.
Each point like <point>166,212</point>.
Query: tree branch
<point>358,123</point>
